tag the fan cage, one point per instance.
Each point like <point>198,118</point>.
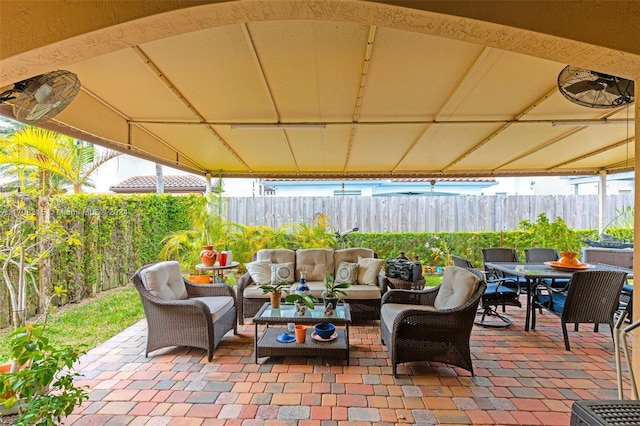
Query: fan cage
<point>45,96</point>
<point>593,89</point>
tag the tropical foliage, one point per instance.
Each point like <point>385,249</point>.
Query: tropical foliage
<point>47,162</point>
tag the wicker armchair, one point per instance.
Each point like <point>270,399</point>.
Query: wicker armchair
<point>180,313</point>
<point>416,325</point>
<point>592,298</point>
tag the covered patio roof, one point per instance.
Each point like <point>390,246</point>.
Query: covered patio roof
<point>334,89</point>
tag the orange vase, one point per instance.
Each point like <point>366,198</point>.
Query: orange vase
<point>208,255</point>
<point>569,258</point>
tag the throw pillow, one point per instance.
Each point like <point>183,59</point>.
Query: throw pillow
<point>260,271</point>
<point>368,270</point>
<point>282,272</point>
<point>347,273</point>
<point>458,285</point>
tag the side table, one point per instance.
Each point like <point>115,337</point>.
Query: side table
<point>218,271</point>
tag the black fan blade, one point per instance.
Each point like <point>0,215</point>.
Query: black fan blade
<point>6,96</point>
<point>621,87</point>
<point>584,86</point>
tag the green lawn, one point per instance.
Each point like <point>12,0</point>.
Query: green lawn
<point>91,322</point>
<point>96,320</point>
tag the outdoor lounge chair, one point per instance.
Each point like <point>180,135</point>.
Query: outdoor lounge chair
<point>592,297</point>
<point>180,313</point>
<point>432,324</point>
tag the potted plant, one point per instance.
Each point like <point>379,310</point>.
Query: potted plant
<point>301,301</point>
<point>333,292</point>
<point>41,389</point>
<point>275,292</point>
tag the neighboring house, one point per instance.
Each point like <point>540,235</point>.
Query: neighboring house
<point>173,184</point>
<point>376,187</point>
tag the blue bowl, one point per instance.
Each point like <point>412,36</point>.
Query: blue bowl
<point>325,330</point>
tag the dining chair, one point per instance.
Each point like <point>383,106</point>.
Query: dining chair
<point>592,298</point>
<point>504,255</point>
<point>499,254</point>
<point>541,255</point>
<point>499,292</point>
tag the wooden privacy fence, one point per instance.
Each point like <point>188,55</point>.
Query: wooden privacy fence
<point>461,213</point>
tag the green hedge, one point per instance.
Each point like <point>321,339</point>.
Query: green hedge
<point>121,233</point>
<point>118,235</point>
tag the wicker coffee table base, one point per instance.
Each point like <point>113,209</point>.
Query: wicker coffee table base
<point>268,345</point>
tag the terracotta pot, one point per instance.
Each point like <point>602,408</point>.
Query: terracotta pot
<point>199,279</point>
<point>6,368</point>
<point>208,255</point>
<point>275,299</point>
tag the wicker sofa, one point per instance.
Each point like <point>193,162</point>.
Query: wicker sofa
<point>363,299</point>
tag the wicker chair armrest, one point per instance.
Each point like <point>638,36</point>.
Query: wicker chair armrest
<point>413,297</point>
<point>382,283</point>
<point>454,318</point>
<point>243,282</point>
<point>209,290</point>
<point>448,319</point>
<point>180,306</point>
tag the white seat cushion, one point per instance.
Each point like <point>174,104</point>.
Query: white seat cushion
<point>164,280</point>
<point>363,292</point>
<point>390,311</point>
<point>253,292</point>
<point>315,287</point>
<point>218,305</point>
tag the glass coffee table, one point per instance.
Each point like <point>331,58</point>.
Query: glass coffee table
<point>276,324</point>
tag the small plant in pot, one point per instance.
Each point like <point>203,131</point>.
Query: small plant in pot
<point>301,301</point>
<point>275,292</point>
<point>333,292</point>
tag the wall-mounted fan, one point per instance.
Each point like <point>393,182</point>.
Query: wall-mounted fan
<point>39,98</point>
<point>594,89</point>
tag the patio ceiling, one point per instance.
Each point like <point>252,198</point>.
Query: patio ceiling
<point>376,89</point>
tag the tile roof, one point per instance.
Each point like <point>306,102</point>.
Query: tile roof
<point>172,184</point>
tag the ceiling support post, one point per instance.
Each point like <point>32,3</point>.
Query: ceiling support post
<point>636,231</point>
<point>602,202</point>
<point>207,177</point>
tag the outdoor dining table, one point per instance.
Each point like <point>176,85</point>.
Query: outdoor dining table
<point>535,273</point>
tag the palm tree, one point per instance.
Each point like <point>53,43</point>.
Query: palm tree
<point>43,152</point>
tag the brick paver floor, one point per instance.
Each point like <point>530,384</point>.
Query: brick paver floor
<point>524,378</point>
